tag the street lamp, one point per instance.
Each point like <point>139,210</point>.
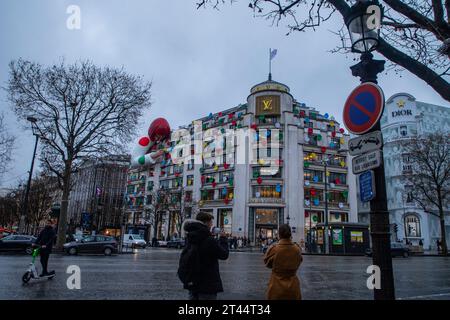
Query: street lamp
<point>326,236</point>
<point>363,22</point>
<point>24,214</point>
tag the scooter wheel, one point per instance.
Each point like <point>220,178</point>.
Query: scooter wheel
<point>26,277</point>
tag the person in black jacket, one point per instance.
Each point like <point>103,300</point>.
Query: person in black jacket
<point>210,250</point>
<point>45,241</point>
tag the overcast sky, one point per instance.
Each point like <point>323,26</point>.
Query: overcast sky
<point>200,61</point>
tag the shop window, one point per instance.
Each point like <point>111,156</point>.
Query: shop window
<point>412,226</point>
<point>164,184</point>
<point>267,191</point>
<point>272,171</point>
<point>356,237</point>
<point>337,178</point>
<point>338,217</point>
<point>188,196</point>
<point>312,218</point>
<point>226,193</point>
<point>190,165</point>
<point>266,216</point>
<point>336,197</point>
<point>335,143</point>
<point>336,160</point>
<point>225,176</point>
<point>177,182</point>
<point>207,195</point>
<point>312,157</point>
<point>313,175</point>
<point>225,220</point>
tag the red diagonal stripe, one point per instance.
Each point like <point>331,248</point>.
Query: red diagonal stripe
<point>362,109</point>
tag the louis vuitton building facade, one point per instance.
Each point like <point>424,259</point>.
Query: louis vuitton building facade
<point>279,155</point>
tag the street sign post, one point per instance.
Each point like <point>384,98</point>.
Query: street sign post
<point>366,161</point>
<point>363,108</point>
<point>367,186</point>
<point>369,142</point>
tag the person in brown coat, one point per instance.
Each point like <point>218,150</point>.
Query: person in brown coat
<point>284,258</point>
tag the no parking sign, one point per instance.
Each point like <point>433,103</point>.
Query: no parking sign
<point>363,108</point>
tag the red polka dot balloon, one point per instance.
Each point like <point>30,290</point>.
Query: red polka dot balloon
<point>159,129</point>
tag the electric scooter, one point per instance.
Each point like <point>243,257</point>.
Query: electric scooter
<point>32,272</point>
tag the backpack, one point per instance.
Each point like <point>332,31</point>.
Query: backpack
<point>189,266</point>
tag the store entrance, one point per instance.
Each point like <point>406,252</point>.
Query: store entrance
<point>266,234</point>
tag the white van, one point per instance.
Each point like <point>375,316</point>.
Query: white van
<point>134,240</point>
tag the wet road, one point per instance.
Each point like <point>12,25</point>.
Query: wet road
<point>151,274</point>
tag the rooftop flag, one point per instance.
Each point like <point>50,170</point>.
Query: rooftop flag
<point>273,53</point>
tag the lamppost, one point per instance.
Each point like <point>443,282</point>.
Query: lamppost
<point>24,214</point>
<point>326,236</point>
<point>363,22</point>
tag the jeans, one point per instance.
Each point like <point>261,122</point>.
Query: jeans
<point>202,296</point>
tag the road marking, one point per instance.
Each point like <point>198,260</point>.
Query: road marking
<point>427,296</point>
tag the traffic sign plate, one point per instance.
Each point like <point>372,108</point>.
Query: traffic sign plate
<point>366,186</point>
<point>366,161</point>
<point>363,108</point>
<point>369,142</point>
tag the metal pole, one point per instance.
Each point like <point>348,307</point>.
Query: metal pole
<point>270,64</point>
<point>27,191</point>
<point>367,69</point>
<point>327,245</point>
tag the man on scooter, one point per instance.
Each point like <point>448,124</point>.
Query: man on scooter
<point>45,240</point>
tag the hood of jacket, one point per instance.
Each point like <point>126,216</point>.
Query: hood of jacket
<point>195,231</point>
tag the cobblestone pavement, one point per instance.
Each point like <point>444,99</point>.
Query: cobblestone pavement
<point>151,274</point>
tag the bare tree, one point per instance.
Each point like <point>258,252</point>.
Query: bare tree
<point>10,209</point>
<point>82,111</point>
<point>430,178</point>
<point>40,199</point>
<point>6,146</point>
<point>415,34</point>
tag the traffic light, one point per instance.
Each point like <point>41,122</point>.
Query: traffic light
<point>395,227</point>
<point>124,219</point>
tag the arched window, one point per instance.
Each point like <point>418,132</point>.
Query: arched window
<point>412,226</point>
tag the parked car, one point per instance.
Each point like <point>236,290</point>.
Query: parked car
<point>92,244</point>
<point>162,243</point>
<point>397,250</point>
<point>177,243</point>
<point>17,243</point>
<point>134,240</point>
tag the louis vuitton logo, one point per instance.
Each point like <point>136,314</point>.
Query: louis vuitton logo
<point>267,104</point>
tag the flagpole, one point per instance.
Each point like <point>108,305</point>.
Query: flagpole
<point>270,64</point>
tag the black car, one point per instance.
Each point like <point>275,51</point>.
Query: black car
<point>92,244</point>
<point>177,243</point>
<point>397,250</point>
<point>18,243</point>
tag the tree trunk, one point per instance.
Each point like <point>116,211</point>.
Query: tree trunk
<point>62,220</point>
<point>442,221</point>
<point>443,236</point>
